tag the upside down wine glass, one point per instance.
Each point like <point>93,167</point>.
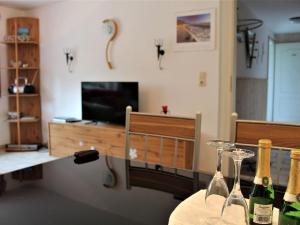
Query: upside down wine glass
<point>236,197</point>
<point>217,185</point>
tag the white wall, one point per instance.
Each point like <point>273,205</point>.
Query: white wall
<point>134,56</point>
<point>5,13</point>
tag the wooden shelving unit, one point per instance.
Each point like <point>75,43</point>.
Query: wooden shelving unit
<point>24,131</point>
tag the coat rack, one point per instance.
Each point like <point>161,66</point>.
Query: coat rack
<point>248,24</point>
<point>246,27</point>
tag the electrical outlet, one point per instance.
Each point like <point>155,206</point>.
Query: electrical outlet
<point>202,82</point>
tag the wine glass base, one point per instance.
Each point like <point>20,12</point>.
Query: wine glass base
<point>217,186</point>
<point>235,203</point>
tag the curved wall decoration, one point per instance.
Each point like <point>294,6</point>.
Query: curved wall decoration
<point>111,28</point>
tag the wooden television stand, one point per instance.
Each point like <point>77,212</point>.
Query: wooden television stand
<point>67,138</point>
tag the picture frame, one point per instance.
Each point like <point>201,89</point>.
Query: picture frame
<point>195,30</point>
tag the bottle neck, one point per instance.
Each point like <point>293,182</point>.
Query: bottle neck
<point>293,188</point>
<point>263,172</point>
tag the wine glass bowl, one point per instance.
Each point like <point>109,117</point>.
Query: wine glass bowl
<point>220,144</point>
<point>239,154</point>
<point>217,185</point>
<point>236,197</point>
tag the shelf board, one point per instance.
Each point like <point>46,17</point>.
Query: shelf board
<point>20,42</point>
<point>20,68</point>
<point>23,68</point>
<point>23,95</point>
<point>25,121</point>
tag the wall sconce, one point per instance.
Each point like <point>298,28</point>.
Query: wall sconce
<point>160,52</point>
<point>69,53</point>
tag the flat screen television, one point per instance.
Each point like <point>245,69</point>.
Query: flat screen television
<point>107,101</point>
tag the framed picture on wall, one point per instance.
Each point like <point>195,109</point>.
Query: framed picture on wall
<point>195,30</point>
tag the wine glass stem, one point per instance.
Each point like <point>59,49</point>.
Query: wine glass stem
<point>219,162</point>
<point>237,171</point>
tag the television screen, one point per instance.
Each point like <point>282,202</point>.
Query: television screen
<point>107,101</point>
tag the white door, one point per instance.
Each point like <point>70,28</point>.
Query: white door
<point>287,83</point>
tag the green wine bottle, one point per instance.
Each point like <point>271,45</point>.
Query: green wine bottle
<point>262,194</point>
<point>290,211</point>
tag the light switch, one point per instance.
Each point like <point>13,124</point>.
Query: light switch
<point>202,82</point>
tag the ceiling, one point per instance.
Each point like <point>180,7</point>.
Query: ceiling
<point>276,13</point>
<point>26,4</point>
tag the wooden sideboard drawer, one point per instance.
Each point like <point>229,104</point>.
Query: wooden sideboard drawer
<point>65,139</point>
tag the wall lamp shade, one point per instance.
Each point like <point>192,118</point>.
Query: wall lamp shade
<point>69,54</point>
<point>160,52</point>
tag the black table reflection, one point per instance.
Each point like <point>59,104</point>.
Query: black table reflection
<point>72,193</point>
<point>114,191</point>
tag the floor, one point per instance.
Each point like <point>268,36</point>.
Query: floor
<point>13,161</point>
<point>31,205</point>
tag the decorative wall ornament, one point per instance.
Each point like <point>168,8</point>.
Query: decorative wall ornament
<point>195,30</point>
<point>111,29</point>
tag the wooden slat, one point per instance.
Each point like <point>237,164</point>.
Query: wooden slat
<point>282,135</point>
<point>17,84</point>
<point>162,125</point>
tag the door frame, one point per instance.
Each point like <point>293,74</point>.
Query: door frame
<point>227,72</point>
<point>271,80</point>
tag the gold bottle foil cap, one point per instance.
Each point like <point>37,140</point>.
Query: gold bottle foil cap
<point>293,188</point>
<point>295,154</point>
<point>263,171</point>
<point>264,143</point>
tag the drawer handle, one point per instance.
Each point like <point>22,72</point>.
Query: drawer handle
<point>81,143</point>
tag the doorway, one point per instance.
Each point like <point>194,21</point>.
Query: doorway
<point>286,105</point>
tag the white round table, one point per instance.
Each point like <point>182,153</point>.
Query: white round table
<point>194,211</point>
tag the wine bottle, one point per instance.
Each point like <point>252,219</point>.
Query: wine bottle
<point>290,211</point>
<point>262,194</point>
